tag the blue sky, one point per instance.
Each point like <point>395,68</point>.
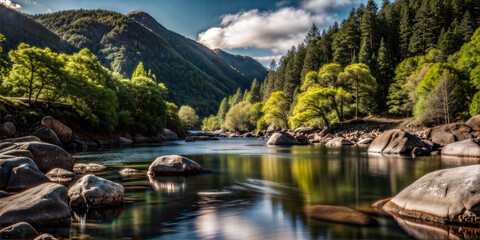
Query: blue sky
<point>264,29</point>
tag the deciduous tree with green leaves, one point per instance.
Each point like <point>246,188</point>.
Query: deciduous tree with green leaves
<point>360,83</point>
<point>277,109</point>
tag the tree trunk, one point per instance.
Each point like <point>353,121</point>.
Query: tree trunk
<point>356,99</point>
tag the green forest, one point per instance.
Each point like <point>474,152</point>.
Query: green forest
<point>409,58</point>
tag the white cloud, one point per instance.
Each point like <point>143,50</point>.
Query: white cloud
<point>325,5</point>
<point>10,4</point>
<point>277,30</point>
<point>266,60</point>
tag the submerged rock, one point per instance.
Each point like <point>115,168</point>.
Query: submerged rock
<point>173,164</point>
<point>88,167</point>
<point>94,192</point>
<point>465,148</point>
<point>282,138</point>
<point>449,196</point>
<point>41,205</point>
<point>21,230</point>
<point>338,142</point>
<point>60,175</point>
<point>128,171</point>
<point>395,141</point>
<point>338,214</point>
<point>48,156</point>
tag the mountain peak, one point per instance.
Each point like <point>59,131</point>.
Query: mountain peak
<point>144,18</point>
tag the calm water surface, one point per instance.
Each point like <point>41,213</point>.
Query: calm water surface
<point>268,186</point>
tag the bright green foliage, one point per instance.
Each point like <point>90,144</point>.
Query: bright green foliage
<point>4,68</point>
<point>360,83</point>
<point>188,116</point>
<point>319,107</point>
<point>33,71</point>
<point>255,113</point>
<point>174,122</point>
<point>150,110</point>
<point>398,97</point>
<point>139,71</point>
<point>327,76</point>
<point>210,123</point>
<point>276,109</point>
<point>238,118</point>
<point>475,105</point>
<point>262,124</point>
<point>440,96</point>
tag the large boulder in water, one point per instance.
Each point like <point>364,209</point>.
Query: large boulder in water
<point>395,141</point>
<point>338,214</point>
<point>21,230</point>
<point>449,196</point>
<point>173,164</point>
<point>63,132</point>
<point>94,192</point>
<point>48,156</point>
<point>47,135</point>
<point>449,133</point>
<point>465,148</point>
<point>60,175</point>
<point>304,130</point>
<point>41,205</point>
<point>7,129</point>
<point>282,138</point>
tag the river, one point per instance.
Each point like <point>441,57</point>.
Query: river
<point>263,191</point>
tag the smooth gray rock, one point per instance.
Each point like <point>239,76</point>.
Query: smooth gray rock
<point>282,138</point>
<point>63,132</point>
<point>48,156</point>
<point>94,192</point>
<point>47,135</point>
<point>449,133</point>
<point>173,164</point>
<point>365,141</point>
<point>8,164</point>
<point>474,123</point>
<point>7,129</point>
<point>129,171</point>
<point>395,141</point>
<point>125,141</point>
<point>338,142</point>
<point>449,196</point>
<point>21,230</point>
<point>305,130</point>
<point>46,236</point>
<point>169,135</point>
<point>465,148</point>
<point>24,177</point>
<point>40,205</point>
<point>88,167</point>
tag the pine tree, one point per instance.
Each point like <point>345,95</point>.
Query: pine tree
<point>237,97</point>
<point>313,34</point>
<point>312,59</point>
<point>385,73</point>
<point>466,27</point>
<point>365,54</point>
<point>424,30</point>
<point>405,31</point>
<point>449,41</point>
<point>293,76</point>
<point>222,110</point>
<point>255,95</point>
<point>368,24</point>
<point>270,81</point>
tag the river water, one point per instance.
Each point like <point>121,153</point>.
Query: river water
<point>254,191</point>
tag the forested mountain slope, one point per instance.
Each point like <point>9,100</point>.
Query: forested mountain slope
<point>194,52</point>
<point>18,28</point>
<point>244,64</point>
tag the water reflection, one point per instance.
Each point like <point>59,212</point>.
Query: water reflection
<point>169,184</point>
<point>269,186</point>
